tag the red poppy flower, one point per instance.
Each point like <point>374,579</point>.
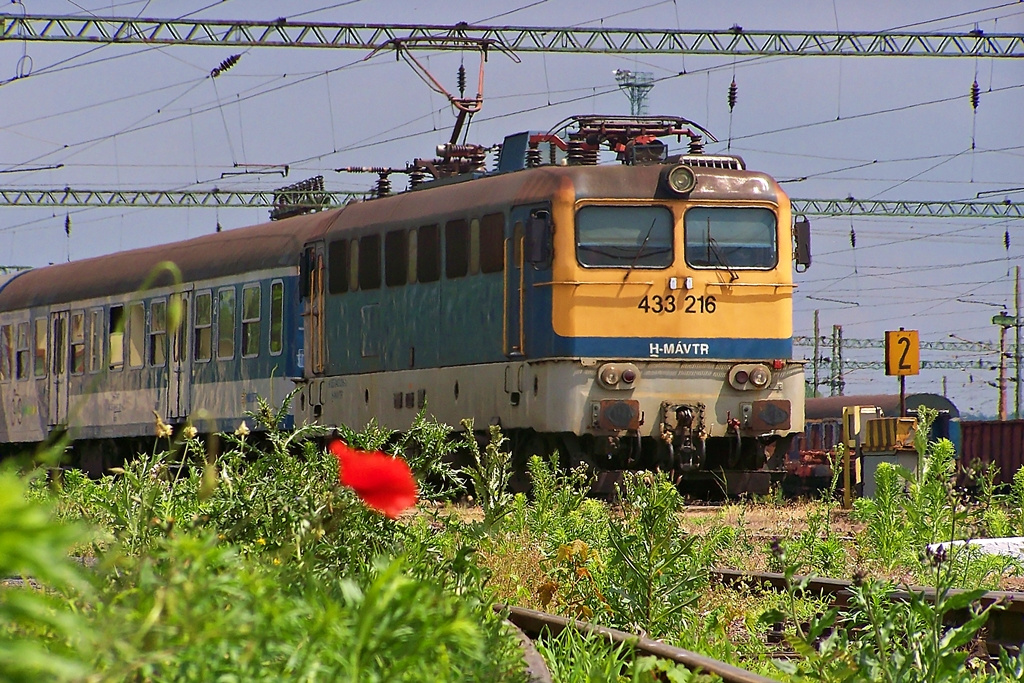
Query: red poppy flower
<point>383,482</point>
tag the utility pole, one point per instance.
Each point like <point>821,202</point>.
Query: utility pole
<point>1016,343</point>
<point>837,382</point>
<point>817,355</point>
<point>1004,321</point>
<point>637,85</point>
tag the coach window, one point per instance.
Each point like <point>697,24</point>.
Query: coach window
<point>60,352</point>
<point>136,334</point>
<point>203,327</point>
<point>22,357</point>
<point>428,254</point>
<point>78,343</point>
<point>369,262</point>
<point>226,324</point>
<point>276,318</point>
<point>396,254</point>
<point>158,334</point>
<point>456,249</point>
<point>492,243</point>
<point>624,236</point>
<point>6,353</point>
<point>730,237</point>
<point>95,339</point>
<point>115,337</point>
<point>40,351</point>
<point>337,267</point>
<point>251,301</point>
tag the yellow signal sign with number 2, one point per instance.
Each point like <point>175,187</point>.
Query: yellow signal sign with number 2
<point>902,353</point>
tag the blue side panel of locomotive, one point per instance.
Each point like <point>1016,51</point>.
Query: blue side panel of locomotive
<point>421,325</point>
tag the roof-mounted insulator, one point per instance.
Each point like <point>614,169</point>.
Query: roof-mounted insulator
<point>533,156</point>
<point>975,94</point>
<point>225,65</point>
<point>383,188</point>
<point>574,155</point>
<point>416,177</point>
<point>732,95</point>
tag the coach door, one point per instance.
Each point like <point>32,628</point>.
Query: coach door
<point>179,366</point>
<point>514,294</point>
<point>58,383</point>
<point>312,291</point>
<point>527,253</point>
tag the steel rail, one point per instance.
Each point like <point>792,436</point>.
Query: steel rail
<point>217,198</point>
<point>534,622</point>
<point>593,40</point>
<point>1005,627</point>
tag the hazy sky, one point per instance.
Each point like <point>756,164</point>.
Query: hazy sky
<point>134,117</point>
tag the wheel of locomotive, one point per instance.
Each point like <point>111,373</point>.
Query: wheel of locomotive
<point>656,456</point>
<point>748,455</point>
<point>525,444</point>
<point>753,454</point>
<point>572,453</point>
<point>779,450</point>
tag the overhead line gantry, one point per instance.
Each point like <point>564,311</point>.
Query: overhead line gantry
<point>287,33</point>
<point>81,198</point>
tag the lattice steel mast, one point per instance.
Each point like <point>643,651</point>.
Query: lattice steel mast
<point>731,41</point>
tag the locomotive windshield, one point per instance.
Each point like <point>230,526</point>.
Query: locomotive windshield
<point>624,236</point>
<point>730,237</point>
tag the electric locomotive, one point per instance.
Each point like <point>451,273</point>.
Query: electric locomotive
<point>636,314</point>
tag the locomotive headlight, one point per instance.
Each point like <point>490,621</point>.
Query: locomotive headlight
<point>680,179</point>
<point>750,376</point>
<point>618,376</point>
<point>759,377</point>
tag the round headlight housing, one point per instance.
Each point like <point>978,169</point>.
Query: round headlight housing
<point>759,377</point>
<point>680,179</point>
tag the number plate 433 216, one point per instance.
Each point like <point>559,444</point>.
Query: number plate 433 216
<point>670,304</point>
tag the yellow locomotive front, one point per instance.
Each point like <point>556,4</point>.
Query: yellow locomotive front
<point>672,292</point>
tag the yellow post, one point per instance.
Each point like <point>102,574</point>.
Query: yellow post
<point>847,483</point>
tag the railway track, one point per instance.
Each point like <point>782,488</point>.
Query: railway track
<point>533,623</point>
<point>1004,629</point>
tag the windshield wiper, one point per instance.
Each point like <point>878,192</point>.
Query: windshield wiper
<point>713,246</point>
<point>640,250</point>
